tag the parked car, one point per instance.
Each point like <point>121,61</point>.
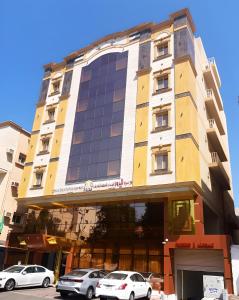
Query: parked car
<point>155,279</point>
<point>80,281</point>
<point>123,285</point>
<point>25,275</point>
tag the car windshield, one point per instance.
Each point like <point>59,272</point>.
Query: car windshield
<point>116,276</point>
<point>14,269</point>
<point>78,273</point>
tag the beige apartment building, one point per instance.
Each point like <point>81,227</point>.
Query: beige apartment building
<point>14,142</point>
<point>128,164</point>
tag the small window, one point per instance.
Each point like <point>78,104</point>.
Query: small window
<point>45,144</point>
<point>16,219</point>
<point>162,49</point>
<point>162,83</point>
<point>39,177</point>
<point>51,114</point>
<point>56,86</point>
<point>22,158</point>
<point>161,120</point>
<point>161,161</point>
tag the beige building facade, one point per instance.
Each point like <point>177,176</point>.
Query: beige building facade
<point>128,164</point>
<point>13,149</point>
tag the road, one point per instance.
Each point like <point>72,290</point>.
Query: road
<point>31,294</point>
<point>41,293</point>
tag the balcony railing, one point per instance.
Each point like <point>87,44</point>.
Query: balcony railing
<point>212,123</point>
<point>216,141</point>
<point>215,157</point>
<point>213,111</point>
<point>219,171</point>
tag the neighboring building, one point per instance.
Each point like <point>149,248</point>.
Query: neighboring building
<point>128,164</point>
<point>13,149</point>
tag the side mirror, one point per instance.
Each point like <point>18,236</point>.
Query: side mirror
<point>24,273</point>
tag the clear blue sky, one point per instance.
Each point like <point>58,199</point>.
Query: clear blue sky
<point>33,33</point>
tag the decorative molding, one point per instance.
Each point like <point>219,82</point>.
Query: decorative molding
<point>187,136</point>
<point>186,94</point>
<point>54,159</point>
<point>60,126</point>
<point>142,105</point>
<point>141,144</point>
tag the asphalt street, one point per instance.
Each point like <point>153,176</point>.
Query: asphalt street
<point>40,293</point>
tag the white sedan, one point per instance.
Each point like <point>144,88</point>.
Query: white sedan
<point>123,285</point>
<point>25,275</point>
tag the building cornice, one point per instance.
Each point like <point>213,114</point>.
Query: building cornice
<point>173,191</point>
<point>152,26</point>
<point>15,126</point>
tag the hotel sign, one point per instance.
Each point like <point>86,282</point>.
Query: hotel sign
<point>90,186</point>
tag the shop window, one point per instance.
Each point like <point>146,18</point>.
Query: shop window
<point>16,219</point>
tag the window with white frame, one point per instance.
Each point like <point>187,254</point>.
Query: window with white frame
<point>45,144</point>
<point>38,178</point>
<point>162,83</point>
<point>51,114</point>
<point>161,50</point>
<point>161,120</point>
<point>56,86</point>
<point>161,161</point>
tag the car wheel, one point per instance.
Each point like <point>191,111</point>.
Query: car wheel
<point>90,293</point>
<point>46,282</point>
<point>9,285</point>
<point>63,294</point>
<point>148,296</point>
<point>131,296</point>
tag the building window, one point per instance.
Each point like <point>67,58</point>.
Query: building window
<point>21,158</point>
<point>56,86</point>
<point>38,178</point>
<point>162,83</point>
<point>45,144</point>
<point>161,50</point>
<point>161,162</point>
<point>51,114</point>
<point>161,120</point>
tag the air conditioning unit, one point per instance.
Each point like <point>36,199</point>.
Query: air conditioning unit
<point>10,151</point>
<point>15,184</point>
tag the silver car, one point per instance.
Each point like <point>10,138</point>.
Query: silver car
<point>80,281</point>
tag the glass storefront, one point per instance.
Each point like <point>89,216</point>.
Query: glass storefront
<point>111,236</point>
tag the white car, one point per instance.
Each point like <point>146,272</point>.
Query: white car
<point>123,285</point>
<point>25,275</point>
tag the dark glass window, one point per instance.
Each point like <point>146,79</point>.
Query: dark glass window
<point>98,127</point>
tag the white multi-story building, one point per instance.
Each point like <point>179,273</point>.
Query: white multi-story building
<point>13,149</point>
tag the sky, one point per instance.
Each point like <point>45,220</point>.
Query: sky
<point>34,33</point>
